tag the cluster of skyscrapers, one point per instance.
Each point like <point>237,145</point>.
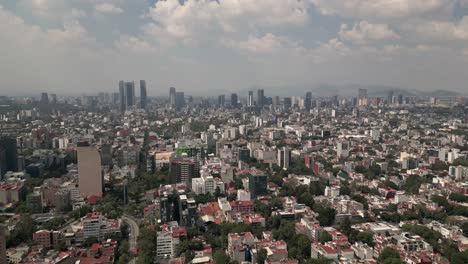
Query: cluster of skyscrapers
<point>176,99</point>
<point>127,95</point>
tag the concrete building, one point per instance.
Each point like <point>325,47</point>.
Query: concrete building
<point>257,183</point>
<point>184,170</point>
<point>342,149</point>
<point>89,172</point>
<point>143,95</point>
<point>284,157</point>
<point>3,257</point>
<point>172,97</point>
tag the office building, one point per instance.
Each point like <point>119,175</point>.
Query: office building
<point>342,149</point>
<point>172,97</point>
<point>400,99</point>
<point>90,178</point>
<point>44,99</point>
<point>390,97</point>
<point>308,101</point>
<point>257,183</point>
<point>287,103</point>
<point>362,93</point>
<point>243,154</point>
<point>250,99</point>
<point>129,95</point>
<point>53,98</point>
<point>180,100</point>
<point>3,258</point>
<point>260,98</point>
<point>221,100</point>
<point>8,154</point>
<point>106,154</point>
<point>276,101</point>
<point>3,162</point>
<point>122,99</point>
<point>184,170</point>
<point>234,100</point>
<point>143,95</point>
<point>187,211</point>
<point>284,157</point>
<point>115,98</point>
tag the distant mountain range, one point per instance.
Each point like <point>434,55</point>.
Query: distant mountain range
<point>350,90</point>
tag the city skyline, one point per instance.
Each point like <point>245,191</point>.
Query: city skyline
<point>70,47</point>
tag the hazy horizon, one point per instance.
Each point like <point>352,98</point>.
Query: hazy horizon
<point>203,47</point>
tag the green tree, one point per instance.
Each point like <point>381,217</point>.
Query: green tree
<point>54,224</point>
<point>459,258</point>
<point>345,226</point>
<point>220,257</point>
<point>413,183</point>
<point>325,237</point>
<point>326,215</point>
<point>366,237</point>
<point>301,245</point>
<point>389,256</point>
<point>23,231</point>
<point>262,255</point>
<point>458,197</point>
<point>146,245</point>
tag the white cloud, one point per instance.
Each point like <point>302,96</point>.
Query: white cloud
<point>364,32</point>
<point>442,30</point>
<point>267,44</point>
<point>188,19</point>
<point>231,43</point>
<point>379,8</point>
<point>108,8</point>
<point>134,44</point>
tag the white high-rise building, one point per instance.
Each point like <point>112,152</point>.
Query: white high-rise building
<point>284,157</point>
<point>342,149</point>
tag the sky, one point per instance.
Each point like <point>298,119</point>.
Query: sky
<point>206,47</point>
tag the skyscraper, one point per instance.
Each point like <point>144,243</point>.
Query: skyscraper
<point>9,153</point>
<point>390,97</point>
<point>122,99</point>
<point>400,99</point>
<point>172,97</point>
<point>234,100</point>
<point>362,93</point>
<point>257,183</point>
<point>287,102</point>
<point>276,101</point>
<point>308,101</point>
<point>260,98</point>
<point>3,162</point>
<point>44,99</point>
<point>143,96</point>
<point>90,178</point>
<point>54,98</point>
<point>130,94</point>
<point>3,258</point>
<point>106,154</point>
<point>250,100</point>
<point>284,156</point>
<point>115,98</point>
<point>179,100</point>
<point>221,100</point>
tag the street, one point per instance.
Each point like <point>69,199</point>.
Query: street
<point>134,233</point>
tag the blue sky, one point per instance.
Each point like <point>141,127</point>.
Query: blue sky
<point>204,46</point>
